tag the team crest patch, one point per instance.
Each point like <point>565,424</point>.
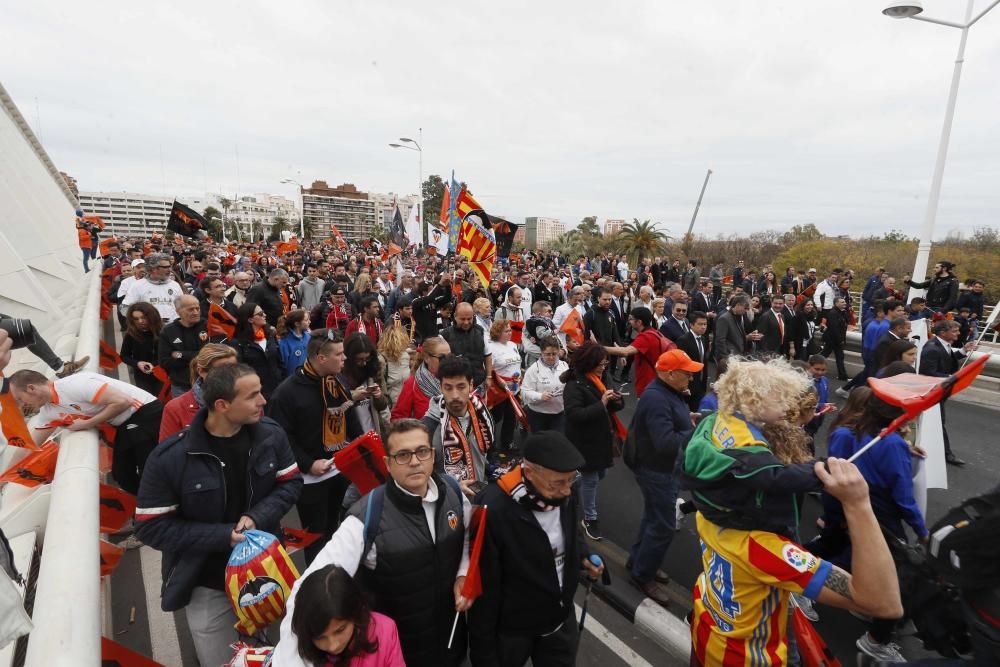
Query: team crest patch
<point>203,335</point>
<point>801,560</point>
<point>452,520</point>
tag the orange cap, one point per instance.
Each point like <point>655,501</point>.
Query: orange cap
<point>677,360</point>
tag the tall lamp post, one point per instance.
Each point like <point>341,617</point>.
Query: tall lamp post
<point>420,190</point>
<point>302,212</point>
<point>912,9</point>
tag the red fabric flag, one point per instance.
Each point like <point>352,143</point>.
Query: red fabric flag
<point>473,586</point>
<point>812,649</point>
<point>109,359</point>
<point>162,376</point>
<point>220,322</point>
<point>38,467</point>
<point>296,539</point>
<point>15,430</point>
<point>572,326</point>
<point>114,654</point>
<point>117,507</point>
<point>289,246</point>
<point>110,555</point>
<point>363,462</point>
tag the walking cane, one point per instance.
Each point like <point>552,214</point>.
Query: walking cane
<point>596,561</point>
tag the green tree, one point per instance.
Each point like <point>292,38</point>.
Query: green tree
<point>227,204</point>
<point>639,240</point>
<point>802,234</point>
<point>214,218</point>
<point>589,226</point>
<point>380,233</point>
<point>279,224</point>
<point>433,193</point>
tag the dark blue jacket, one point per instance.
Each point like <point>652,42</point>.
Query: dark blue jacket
<point>182,500</point>
<point>662,426</point>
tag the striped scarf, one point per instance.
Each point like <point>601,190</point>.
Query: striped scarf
<point>520,489</point>
<point>427,382</point>
<point>458,461</point>
<point>336,403</point>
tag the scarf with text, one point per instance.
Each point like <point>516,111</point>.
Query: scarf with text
<point>336,403</point>
<point>409,326</point>
<point>616,424</point>
<point>455,446</point>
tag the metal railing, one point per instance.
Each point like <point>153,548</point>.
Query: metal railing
<point>67,609</point>
<point>992,336</point>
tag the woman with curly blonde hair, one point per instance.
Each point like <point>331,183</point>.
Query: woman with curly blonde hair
<point>737,478</point>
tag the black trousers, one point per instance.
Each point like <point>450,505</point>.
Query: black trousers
<point>320,511</point>
<point>838,353</point>
<point>557,649</point>
<point>503,414</point>
<point>134,442</point>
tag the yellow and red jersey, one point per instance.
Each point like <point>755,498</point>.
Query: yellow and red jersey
<point>741,599</point>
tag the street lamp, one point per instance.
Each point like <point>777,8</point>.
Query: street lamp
<point>912,9</point>
<point>302,211</point>
<point>420,182</point>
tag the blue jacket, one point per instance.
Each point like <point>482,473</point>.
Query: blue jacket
<point>872,286</point>
<point>662,426</point>
<point>182,500</point>
<point>873,331</point>
<point>293,351</point>
<point>888,469</point>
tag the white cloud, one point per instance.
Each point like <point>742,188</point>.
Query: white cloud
<point>564,109</point>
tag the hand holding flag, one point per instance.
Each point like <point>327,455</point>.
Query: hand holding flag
<point>915,393</point>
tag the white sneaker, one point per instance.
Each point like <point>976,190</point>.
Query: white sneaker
<point>679,512</point>
<point>888,652</point>
<point>840,391</point>
<point>806,606</point>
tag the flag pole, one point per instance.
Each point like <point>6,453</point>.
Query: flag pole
<point>454,625</point>
<point>864,449</point>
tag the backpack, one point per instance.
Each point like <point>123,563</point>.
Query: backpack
<point>373,511</point>
<point>963,546</point>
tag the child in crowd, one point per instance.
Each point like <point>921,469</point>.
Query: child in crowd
<point>294,339</point>
<point>335,627</point>
<point>817,368</point>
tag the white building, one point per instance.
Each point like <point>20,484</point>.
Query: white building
<point>613,226</point>
<point>354,213</point>
<point>134,214</point>
<point>539,232</point>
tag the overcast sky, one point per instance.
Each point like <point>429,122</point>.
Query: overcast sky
<point>561,109</point>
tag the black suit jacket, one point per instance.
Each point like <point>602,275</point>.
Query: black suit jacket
<point>882,347</point>
<point>699,381</point>
<point>773,341</point>
<point>671,329</point>
<point>939,359</point>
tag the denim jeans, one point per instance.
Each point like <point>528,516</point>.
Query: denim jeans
<point>658,525</point>
<point>588,492</point>
<point>86,259</point>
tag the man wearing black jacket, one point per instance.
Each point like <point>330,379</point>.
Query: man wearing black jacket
<point>899,328</point>
<point>180,342</point>
<point>426,301</point>
<point>532,533</point>
<point>267,295</point>
<point>232,470</point>
<point>940,359</point>
<point>600,321</point>
<point>314,408</point>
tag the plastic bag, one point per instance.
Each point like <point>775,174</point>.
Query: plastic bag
<point>259,578</point>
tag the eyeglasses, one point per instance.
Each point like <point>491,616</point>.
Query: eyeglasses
<point>563,484</point>
<point>404,457</point>
<point>162,266</point>
<point>681,310</point>
<point>436,356</point>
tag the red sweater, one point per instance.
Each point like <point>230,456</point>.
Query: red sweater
<point>178,414</point>
<point>411,403</point>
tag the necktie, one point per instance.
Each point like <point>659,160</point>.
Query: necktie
<point>781,326</point>
<point>701,350</point>
<point>684,326</point>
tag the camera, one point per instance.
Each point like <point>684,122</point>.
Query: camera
<point>21,332</point>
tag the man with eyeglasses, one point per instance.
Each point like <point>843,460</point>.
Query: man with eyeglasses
<point>677,324</point>
<point>237,294</point>
<point>661,426</point>
<point>158,288</point>
<point>406,542</point>
<point>533,531</point>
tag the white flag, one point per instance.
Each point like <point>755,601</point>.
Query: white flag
<point>414,234</point>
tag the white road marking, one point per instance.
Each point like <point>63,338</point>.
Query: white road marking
<point>162,629</point>
<point>609,639</point>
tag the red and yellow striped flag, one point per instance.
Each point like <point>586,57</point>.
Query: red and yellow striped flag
<point>476,243</point>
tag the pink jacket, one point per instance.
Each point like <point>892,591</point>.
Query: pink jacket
<point>389,653</point>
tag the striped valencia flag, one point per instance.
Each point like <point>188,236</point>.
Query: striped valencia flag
<point>477,244</point>
<point>341,243</point>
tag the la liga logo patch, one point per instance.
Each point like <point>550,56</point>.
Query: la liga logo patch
<point>800,559</point>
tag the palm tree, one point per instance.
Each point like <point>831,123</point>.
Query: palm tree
<point>227,204</point>
<point>280,224</point>
<point>641,239</point>
<point>308,228</point>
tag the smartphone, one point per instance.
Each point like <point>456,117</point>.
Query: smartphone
<point>622,387</point>
<point>477,486</point>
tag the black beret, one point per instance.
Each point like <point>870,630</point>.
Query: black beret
<point>552,450</point>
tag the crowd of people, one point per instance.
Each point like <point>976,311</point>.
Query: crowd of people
<point>508,395</point>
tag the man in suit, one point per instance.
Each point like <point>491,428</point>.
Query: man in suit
<point>941,360</point>
<point>731,336</point>
<point>899,328</point>
<point>695,344</point>
<point>676,325</point>
<point>773,327</point>
<point>704,301</point>
<point>620,308</point>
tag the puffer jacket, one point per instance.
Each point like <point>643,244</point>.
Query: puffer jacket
<point>182,500</point>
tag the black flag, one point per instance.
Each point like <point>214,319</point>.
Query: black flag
<point>504,232</point>
<point>185,221</point>
<point>399,229</point>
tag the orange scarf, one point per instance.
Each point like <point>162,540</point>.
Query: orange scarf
<point>616,423</point>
